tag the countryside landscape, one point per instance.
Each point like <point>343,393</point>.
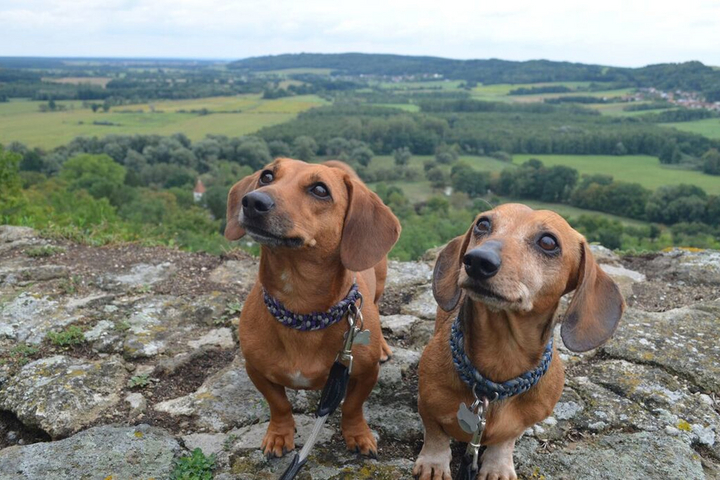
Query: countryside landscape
<point>120,297</point>
<point>630,156</point>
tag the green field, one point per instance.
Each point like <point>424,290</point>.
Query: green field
<point>233,116</point>
<point>642,169</point>
<point>710,127</point>
<point>486,164</point>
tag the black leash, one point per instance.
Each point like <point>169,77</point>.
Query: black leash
<point>336,386</point>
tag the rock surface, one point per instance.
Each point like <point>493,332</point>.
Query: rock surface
<point>158,346</point>
<point>98,453</point>
<point>61,395</point>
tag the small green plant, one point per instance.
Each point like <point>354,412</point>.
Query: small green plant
<point>122,326</point>
<point>21,353</point>
<point>143,288</point>
<point>138,381</point>
<point>72,335</point>
<point>232,309</point>
<point>69,286</point>
<point>195,466</point>
<point>228,443</point>
<point>43,251</point>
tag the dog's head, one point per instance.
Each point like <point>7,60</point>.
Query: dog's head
<point>297,205</point>
<point>518,259</point>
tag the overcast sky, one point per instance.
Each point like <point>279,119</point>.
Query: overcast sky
<point>610,32</point>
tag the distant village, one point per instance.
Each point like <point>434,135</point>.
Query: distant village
<point>678,97</point>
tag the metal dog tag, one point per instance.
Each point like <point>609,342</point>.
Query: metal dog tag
<point>468,421</point>
<point>362,338</point>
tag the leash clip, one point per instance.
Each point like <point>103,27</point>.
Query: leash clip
<point>472,420</point>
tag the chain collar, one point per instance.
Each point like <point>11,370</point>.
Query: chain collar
<point>483,387</point>
<point>311,321</point>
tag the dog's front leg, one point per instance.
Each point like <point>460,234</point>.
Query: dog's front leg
<point>497,462</point>
<point>280,436</point>
<point>355,429</point>
<point>433,463</point>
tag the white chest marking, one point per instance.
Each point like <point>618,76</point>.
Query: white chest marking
<point>297,380</point>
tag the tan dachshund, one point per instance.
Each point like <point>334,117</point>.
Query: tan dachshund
<point>504,278</point>
<point>320,228</point>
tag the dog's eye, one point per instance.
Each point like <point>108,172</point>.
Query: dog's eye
<point>320,190</point>
<point>483,225</point>
<point>548,243</point>
<point>266,177</point>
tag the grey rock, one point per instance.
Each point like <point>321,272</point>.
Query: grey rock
<point>683,340</point>
<point>625,278</point>
<point>239,272</point>
<point>635,456</point>
<point>103,452</point>
<point>100,329</point>
<point>668,398</point>
<point>28,318</point>
<point>167,324</point>
<point>421,334</point>
<point>36,273</point>
<point>11,233</point>
<point>220,337</point>
<point>398,325</point>
<point>402,275</point>
<point>138,275</point>
<point>61,395</point>
<point>226,400</point>
<point>396,422</point>
<point>690,266</point>
<point>604,256</point>
<point>422,305</point>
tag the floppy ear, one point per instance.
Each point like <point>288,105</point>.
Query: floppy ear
<point>233,230</point>
<point>595,309</point>
<point>370,229</point>
<point>447,272</point>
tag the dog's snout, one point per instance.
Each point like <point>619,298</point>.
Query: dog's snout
<point>256,204</point>
<point>483,262</point>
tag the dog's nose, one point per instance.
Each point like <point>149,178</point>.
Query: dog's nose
<point>256,204</point>
<point>482,262</point>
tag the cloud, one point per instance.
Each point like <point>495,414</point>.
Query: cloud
<point>614,32</point>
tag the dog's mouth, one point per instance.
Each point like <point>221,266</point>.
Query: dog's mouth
<point>481,292</point>
<point>264,237</point>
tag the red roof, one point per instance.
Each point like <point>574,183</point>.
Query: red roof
<point>199,187</point>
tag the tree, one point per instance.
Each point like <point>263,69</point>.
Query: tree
<point>437,178</point>
<point>363,155</point>
<point>671,204</point>
<point>305,148</point>
<point>711,162</point>
<point>99,175</point>
<point>402,156</point>
<point>52,105</point>
<point>279,149</point>
<point>468,180</point>
<point>446,155</point>
<point>253,152</point>
<point>10,183</point>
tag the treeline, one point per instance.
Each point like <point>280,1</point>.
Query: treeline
<point>484,71</point>
<point>491,127</point>
<point>669,204</point>
<point>540,90</point>
<point>132,86</point>
<point>688,76</point>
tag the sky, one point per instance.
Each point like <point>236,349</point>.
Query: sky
<point>608,32</point>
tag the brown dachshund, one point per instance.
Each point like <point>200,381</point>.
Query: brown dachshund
<point>503,280</point>
<point>320,228</point>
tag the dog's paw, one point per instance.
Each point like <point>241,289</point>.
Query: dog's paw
<point>278,440</point>
<point>497,471</point>
<point>361,440</point>
<point>432,468</point>
<point>386,353</point>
